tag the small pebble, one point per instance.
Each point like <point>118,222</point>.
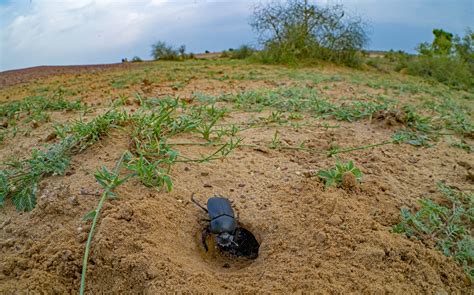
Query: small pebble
<point>81,238</point>
<point>335,220</point>
<point>308,174</point>
<point>73,201</point>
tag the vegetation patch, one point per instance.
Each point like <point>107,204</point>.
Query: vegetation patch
<point>19,181</point>
<point>446,223</point>
<point>343,174</point>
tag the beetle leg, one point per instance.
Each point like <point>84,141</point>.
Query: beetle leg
<point>205,233</point>
<point>199,205</point>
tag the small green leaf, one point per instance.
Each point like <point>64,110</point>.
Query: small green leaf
<point>350,165</point>
<point>324,174</point>
<point>89,216</point>
<point>406,214</point>
<point>168,182</point>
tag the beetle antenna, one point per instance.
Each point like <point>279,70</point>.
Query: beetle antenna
<point>199,205</point>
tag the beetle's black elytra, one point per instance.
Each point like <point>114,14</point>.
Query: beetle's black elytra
<point>230,238</point>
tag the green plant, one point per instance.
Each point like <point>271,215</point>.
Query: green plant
<point>118,84</point>
<point>448,223</point>
<point>276,142</point>
<point>182,51</point>
<point>463,145</point>
<point>109,181</point>
<point>39,104</point>
<point>335,175</point>
<point>151,131</point>
<point>87,133</point>
<point>295,116</point>
<point>412,138</point>
<point>225,54</point>
<point>151,173</point>
<point>276,117</point>
<point>231,131</point>
<point>357,110</point>
<point>222,152</point>
<point>209,116</point>
<point>21,180</point>
<point>416,121</point>
<point>162,51</point>
<point>336,150</point>
<point>448,59</point>
<point>121,100</point>
<point>136,59</point>
<point>454,116</point>
<point>244,51</point>
<point>450,71</point>
<point>291,31</point>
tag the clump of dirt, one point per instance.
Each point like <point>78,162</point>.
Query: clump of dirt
<point>349,181</point>
<point>390,118</point>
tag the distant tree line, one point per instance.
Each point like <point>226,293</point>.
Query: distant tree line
<point>300,31</point>
<point>448,59</point>
<point>162,51</point>
<point>293,31</point>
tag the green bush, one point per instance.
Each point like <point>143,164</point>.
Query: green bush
<point>225,54</point>
<point>244,51</point>
<point>162,51</point>
<point>450,71</point>
<point>136,59</point>
<point>448,59</point>
<point>297,30</point>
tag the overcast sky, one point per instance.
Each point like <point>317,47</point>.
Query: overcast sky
<point>60,32</point>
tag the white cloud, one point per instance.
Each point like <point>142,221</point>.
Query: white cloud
<point>88,31</point>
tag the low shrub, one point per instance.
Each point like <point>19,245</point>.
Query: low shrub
<point>162,51</point>
<point>244,51</point>
<point>450,71</point>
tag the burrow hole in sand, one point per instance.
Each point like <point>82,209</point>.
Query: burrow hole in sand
<point>234,257</point>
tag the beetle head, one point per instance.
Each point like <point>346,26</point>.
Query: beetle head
<point>225,239</point>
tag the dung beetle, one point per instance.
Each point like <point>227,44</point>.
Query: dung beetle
<point>222,221</point>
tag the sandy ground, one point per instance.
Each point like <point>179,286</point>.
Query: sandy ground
<point>331,241</point>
